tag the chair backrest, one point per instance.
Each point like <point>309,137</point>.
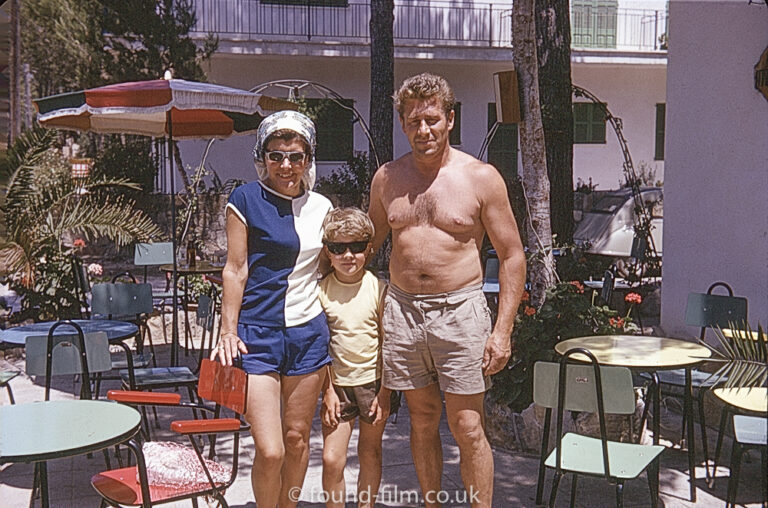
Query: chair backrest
<point>205,311</point>
<point>580,383</point>
<point>705,309</point>
<point>491,270</point>
<point>82,285</point>
<point>227,386</point>
<point>121,299</point>
<point>151,254</point>
<point>78,353</point>
<point>609,281</point>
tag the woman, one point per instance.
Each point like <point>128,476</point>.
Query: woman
<point>270,308</point>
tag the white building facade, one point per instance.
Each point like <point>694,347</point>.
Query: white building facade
<point>619,55</point>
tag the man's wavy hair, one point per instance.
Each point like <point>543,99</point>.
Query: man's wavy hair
<point>425,86</point>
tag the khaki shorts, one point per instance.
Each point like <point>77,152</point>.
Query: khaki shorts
<point>435,339</point>
<point>356,401</point>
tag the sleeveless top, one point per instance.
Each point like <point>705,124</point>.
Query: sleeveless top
<point>284,242</point>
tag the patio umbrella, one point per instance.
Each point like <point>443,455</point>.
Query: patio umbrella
<point>168,108</point>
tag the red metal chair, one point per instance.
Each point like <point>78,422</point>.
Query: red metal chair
<point>225,386</point>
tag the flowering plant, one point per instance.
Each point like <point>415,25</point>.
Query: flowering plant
<point>567,312</point>
<point>95,270</point>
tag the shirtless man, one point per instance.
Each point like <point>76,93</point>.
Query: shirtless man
<point>439,203</point>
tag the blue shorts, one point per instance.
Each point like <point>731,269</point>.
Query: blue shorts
<point>288,351</point>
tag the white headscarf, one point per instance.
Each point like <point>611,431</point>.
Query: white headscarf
<point>293,121</point>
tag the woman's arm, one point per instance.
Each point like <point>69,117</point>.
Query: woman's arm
<point>234,275</point>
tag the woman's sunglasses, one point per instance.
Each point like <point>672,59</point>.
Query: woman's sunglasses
<point>341,248</point>
<point>279,156</point>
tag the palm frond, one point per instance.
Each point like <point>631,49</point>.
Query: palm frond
<point>744,355</point>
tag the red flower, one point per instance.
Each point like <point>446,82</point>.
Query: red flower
<point>529,311</point>
<point>578,285</point>
<point>616,322</point>
<point>79,243</point>
<point>526,296</point>
<point>633,298</point>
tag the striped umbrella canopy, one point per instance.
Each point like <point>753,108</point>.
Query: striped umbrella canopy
<point>197,110</point>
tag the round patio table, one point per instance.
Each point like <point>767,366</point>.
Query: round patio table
<point>643,353</point>
<point>750,399</point>
<point>41,431</point>
<point>116,330</point>
<point>185,270</point>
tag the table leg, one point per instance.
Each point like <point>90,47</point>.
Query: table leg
<point>44,502</point>
<point>688,409</point>
<point>654,473</point>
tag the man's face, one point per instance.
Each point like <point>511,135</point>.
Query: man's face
<point>426,126</point>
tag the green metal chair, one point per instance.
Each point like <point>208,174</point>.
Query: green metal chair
<point>594,389</point>
<point>5,382</point>
<point>748,432</point>
<point>157,254</point>
<point>704,310</point>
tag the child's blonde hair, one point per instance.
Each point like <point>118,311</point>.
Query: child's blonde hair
<point>347,222</point>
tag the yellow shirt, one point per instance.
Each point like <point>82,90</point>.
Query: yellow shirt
<point>353,319</point>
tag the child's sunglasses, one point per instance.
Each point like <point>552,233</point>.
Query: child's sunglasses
<point>279,156</point>
<point>341,248</point>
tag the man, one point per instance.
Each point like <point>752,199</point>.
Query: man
<point>439,203</point>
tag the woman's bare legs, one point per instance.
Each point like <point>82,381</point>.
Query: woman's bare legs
<point>300,397</point>
<point>263,415</point>
<point>335,444</point>
<point>369,456</point>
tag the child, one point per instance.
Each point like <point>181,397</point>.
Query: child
<point>351,297</point>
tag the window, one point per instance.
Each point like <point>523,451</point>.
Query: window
<point>593,23</point>
<point>455,137</point>
<point>334,124</point>
<point>661,114</point>
<point>588,123</point>
<point>313,3</point>
<point>502,150</point>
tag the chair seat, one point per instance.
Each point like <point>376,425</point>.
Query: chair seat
<point>121,486</point>
<point>158,377</point>
<point>6,376</point>
<point>750,430</point>
<point>139,360</point>
<point>584,454</point>
<point>699,379</point>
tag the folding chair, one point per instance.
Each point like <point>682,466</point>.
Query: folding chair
<point>5,382</point>
<point>54,355</point>
<point>594,389</point>
<point>82,287</point>
<point>703,310</point>
<point>748,432</point>
<point>157,254</point>
<point>225,386</point>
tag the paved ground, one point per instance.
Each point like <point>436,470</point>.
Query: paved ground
<point>515,472</point>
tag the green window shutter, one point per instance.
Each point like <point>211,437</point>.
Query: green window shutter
<point>588,123</point>
<point>334,124</point>
<point>313,3</point>
<point>455,136</point>
<point>502,150</point>
<point>593,23</point>
<point>661,114</point>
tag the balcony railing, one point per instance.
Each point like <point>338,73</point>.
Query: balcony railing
<point>438,23</point>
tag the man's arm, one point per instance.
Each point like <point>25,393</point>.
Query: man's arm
<point>499,222</point>
<point>376,210</point>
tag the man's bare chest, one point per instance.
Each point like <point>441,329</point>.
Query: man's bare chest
<point>449,208</point>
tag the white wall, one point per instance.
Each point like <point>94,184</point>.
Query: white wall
<point>631,92</point>
<point>716,187</point>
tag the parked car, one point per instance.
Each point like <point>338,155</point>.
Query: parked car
<point>607,229</point>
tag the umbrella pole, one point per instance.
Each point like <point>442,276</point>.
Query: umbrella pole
<point>175,320</point>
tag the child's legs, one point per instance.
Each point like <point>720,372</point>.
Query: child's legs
<point>369,456</point>
<point>335,443</point>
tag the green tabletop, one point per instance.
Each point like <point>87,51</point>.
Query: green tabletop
<point>640,352</point>
<point>45,430</point>
<point>201,267</point>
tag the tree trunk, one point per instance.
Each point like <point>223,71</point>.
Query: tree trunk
<point>533,150</point>
<point>14,62</point>
<point>553,43</point>
<point>382,79</point>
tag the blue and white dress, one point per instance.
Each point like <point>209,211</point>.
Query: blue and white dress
<point>281,319</point>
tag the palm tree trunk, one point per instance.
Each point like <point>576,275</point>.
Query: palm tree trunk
<point>382,78</point>
<point>14,62</point>
<point>534,159</point>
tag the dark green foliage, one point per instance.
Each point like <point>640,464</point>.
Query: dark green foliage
<point>350,184</point>
<point>133,158</point>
